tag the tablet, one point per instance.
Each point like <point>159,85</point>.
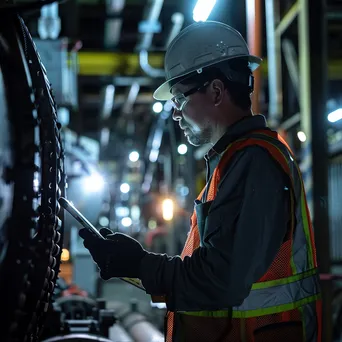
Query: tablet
<point>68,206</point>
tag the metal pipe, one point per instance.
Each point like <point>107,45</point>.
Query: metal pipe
<point>146,41</point>
<point>153,145</point>
<point>140,329</point>
<point>108,102</point>
<point>275,110</point>
<point>114,6</point>
<point>147,68</point>
<point>131,98</point>
<point>305,99</point>
<point>254,39</point>
<point>291,60</point>
<point>177,21</point>
<point>113,25</point>
<point>152,17</point>
<point>106,112</point>
<point>118,334</point>
<point>77,337</point>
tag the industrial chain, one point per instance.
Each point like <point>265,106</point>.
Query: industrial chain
<point>48,240</point>
<point>34,230</point>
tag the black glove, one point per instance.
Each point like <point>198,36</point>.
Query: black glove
<point>118,255</point>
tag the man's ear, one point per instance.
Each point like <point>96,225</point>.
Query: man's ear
<point>217,90</point>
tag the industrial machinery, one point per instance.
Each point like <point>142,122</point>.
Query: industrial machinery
<point>76,316</point>
<point>31,225</point>
<point>31,166</point>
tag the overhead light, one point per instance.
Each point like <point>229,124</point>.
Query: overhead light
<point>336,115</point>
<point>167,209</point>
<point>94,183</point>
<point>126,221</point>
<point>157,107</point>
<point>152,224</point>
<point>121,211</point>
<point>124,188</point>
<point>182,149</point>
<point>104,221</point>
<point>135,212</point>
<point>301,136</point>
<point>134,156</point>
<point>65,256</point>
<point>203,9</point>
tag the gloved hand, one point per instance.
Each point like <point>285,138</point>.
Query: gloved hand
<point>118,255</point>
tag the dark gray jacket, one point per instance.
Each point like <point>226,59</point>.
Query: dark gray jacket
<point>244,228</point>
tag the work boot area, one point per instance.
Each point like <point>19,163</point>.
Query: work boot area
<point>171,170</point>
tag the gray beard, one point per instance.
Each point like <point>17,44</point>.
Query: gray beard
<point>199,139</point>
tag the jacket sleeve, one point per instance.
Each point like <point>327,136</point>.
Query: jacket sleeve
<point>246,225</point>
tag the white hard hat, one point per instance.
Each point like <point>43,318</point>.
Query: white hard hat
<point>198,46</point>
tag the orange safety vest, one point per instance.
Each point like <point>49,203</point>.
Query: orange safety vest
<point>285,304</point>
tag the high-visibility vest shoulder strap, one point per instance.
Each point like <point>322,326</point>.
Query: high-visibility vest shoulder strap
<point>263,138</point>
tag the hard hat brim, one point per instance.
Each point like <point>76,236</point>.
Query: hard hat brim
<point>162,93</point>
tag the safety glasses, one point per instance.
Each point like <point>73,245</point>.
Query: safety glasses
<point>180,100</point>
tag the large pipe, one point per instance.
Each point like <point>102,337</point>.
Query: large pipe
<point>147,68</point>
<point>177,21</point>
<point>118,334</point>
<point>274,64</point>
<point>140,329</point>
<point>146,40</point>
<point>254,39</point>
<point>77,338</point>
<point>291,60</point>
<point>131,98</point>
<point>113,24</point>
<point>106,112</point>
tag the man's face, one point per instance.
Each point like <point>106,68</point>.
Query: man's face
<point>194,118</point>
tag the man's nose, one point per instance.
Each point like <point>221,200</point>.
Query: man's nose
<point>177,114</point>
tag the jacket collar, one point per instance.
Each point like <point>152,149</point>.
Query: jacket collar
<point>234,132</point>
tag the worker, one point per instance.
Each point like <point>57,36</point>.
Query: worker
<point>248,271</point>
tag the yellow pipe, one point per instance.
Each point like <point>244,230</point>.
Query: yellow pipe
<point>109,63</point>
<point>127,64</point>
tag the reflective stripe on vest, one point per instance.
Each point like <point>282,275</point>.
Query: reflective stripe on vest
<point>275,299</point>
<point>273,296</point>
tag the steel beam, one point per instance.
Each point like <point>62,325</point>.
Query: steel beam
<point>314,20</point>
<point>291,61</point>
<point>287,19</point>
<point>305,99</point>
